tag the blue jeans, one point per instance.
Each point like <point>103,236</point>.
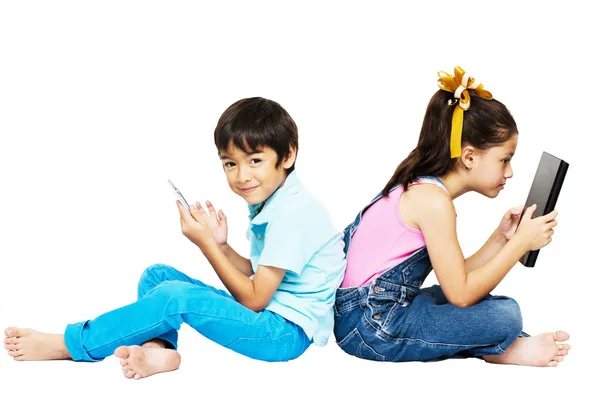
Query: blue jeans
<point>394,319</point>
<point>166,299</point>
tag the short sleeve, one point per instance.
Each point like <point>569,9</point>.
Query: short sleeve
<point>289,243</point>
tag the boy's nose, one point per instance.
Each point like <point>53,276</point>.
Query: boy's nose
<point>243,175</point>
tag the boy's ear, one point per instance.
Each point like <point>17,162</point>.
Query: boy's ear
<point>290,159</point>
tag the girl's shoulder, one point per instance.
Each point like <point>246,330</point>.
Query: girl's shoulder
<point>424,200</point>
<point>429,180</point>
<point>428,194</point>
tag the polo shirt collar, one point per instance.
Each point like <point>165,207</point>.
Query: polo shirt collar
<point>263,212</point>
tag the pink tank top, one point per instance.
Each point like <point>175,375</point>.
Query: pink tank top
<point>382,240</point>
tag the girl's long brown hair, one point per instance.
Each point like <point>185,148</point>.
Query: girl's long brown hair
<point>487,123</point>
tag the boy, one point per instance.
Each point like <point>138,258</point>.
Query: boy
<point>280,300</point>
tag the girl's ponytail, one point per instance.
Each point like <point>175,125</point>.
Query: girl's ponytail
<point>487,123</point>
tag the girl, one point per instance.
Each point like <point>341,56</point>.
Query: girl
<point>381,311</point>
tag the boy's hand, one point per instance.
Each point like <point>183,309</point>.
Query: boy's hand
<point>195,226</point>
<point>218,222</point>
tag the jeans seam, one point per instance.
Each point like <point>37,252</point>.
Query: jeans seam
<point>436,344</point>
<point>379,332</point>
<point>347,308</point>
<point>171,315</point>
<point>356,333</point>
<point>389,315</point>
<point>256,339</point>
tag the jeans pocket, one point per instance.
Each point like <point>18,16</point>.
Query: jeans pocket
<point>355,345</point>
<point>416,268</point>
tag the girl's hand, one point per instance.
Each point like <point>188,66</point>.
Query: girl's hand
<point>536,232</point>
<point>195,225</point>
<point>218,222</point>
<point>510,221</point>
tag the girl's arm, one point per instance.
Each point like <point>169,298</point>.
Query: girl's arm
<point>503,233</point>
<point>436,218</point>
<point>491,247</point>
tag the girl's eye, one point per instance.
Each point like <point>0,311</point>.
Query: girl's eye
<point>506,161</point>
<point>229,164</point>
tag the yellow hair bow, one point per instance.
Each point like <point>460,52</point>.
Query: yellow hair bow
<point>459,84</point>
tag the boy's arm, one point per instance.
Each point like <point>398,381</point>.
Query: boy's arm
<point>253,293</point>
<point>239,262</point>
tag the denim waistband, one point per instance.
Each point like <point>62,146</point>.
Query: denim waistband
<point>380,289</point>
<point>390,285</point>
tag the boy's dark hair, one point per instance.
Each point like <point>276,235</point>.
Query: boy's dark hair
<point>487,123</point>
<point>254,122</point>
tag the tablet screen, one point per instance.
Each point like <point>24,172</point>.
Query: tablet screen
<point>543,183</point>
<point>544,192</point>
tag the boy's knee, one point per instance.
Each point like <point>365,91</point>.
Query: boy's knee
<point>152,276</point>
<point>175,294</point>
<point>154,271</point>
<point>172,287</point>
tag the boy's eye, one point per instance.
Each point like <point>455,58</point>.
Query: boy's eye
<point>229,164</point>
<point>255,161</point>
<point>506,161</point>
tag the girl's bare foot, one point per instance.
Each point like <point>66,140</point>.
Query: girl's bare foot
<point>24,344</point>
<point>140,362</point>
<point>539,351</point>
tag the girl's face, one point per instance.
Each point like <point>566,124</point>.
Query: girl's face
<point>491,168</point>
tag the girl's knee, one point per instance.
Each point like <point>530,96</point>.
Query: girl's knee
<point>435,292</point>
<point>508,316</point>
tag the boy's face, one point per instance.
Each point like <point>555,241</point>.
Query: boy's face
<point>254,176</point>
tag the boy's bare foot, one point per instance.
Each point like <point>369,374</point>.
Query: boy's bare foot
<point>140,362</point>
<point>539,351</point>
<point>155,343</point>
<point>24,344</point>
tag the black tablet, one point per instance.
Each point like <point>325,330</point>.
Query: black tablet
<point>544,192</point>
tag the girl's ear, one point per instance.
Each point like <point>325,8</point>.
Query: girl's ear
<point>290,159</point>
<point>467,157</point>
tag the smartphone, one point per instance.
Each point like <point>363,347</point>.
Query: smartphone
<point>179,195</point>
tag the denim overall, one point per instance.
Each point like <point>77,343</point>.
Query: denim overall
<point>394,319</point>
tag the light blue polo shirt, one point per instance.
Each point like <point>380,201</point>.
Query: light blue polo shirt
<point>292,230</point>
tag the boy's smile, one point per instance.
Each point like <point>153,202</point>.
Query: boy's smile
<point>253,176</point>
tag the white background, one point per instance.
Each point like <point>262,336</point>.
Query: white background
<point>101,102</point>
